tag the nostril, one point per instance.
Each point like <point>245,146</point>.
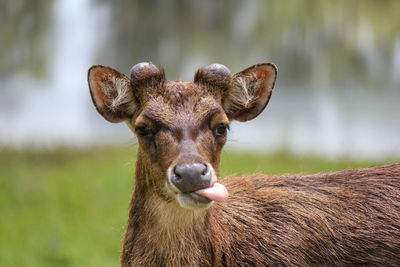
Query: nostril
<point>206,174</point>
<point>176,179</point>
<point>176,175</point>
<point>205,170</point>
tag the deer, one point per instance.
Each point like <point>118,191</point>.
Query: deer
<point>183,214</point>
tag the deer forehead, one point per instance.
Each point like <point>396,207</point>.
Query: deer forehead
<point>180,103</point>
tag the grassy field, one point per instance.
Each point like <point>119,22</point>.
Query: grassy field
<point>69,207</point>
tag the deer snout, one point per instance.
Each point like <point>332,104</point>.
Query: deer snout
<point>191,177</point>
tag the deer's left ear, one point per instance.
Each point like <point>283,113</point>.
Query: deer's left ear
<point>250,92</point>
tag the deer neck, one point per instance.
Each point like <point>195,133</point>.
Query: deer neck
<point>164,226</point>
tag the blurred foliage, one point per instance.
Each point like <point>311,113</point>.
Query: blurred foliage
<point>67,207</point>
<point>24,36</point>
<point>315,43</point>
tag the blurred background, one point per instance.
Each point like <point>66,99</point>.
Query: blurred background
<point>339,67</point>
<point>335,104</point>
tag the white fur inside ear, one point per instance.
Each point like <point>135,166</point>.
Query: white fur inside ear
<point>250,91</point>
<point>119,92</point>
<point>112,93</point>
<point>240,94</point>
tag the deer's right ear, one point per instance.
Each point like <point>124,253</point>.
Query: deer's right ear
<point>112,93</point>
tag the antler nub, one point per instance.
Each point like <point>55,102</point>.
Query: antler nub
<point>145,72</point>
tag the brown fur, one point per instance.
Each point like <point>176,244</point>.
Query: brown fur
<point>348,218</point>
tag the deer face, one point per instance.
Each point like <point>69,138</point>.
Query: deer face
<point>181,126</point>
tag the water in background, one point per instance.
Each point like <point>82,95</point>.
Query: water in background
<point>338,83</point>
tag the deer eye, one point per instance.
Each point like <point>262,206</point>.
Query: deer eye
<point>221,129</point>
<point>143,131</point>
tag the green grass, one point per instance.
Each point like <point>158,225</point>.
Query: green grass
<point>69,207</point>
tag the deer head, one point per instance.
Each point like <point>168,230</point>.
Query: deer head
<point>181,127</point>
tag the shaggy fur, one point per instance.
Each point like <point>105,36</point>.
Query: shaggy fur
<point>348,218</point>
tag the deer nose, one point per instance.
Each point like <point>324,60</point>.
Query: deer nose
<point>191,177</point>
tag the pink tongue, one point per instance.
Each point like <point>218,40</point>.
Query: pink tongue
<point>217,192</point>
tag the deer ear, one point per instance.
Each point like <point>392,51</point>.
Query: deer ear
<point>112,93</point>
<point>250,91</point>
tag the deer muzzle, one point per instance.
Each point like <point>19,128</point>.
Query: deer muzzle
<point>196,185</point>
